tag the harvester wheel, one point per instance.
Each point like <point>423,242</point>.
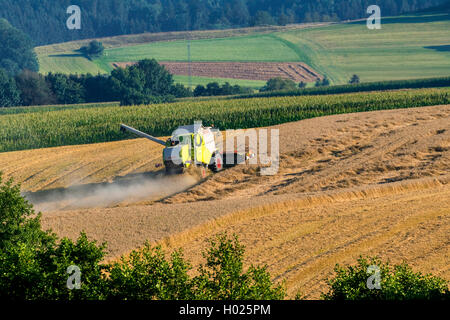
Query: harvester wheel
<point>218,163</point>
<point>174,170</point>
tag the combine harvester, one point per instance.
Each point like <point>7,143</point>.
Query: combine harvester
<point>192,145</point>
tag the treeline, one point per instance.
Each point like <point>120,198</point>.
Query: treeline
<point>215,89</point>
<point>146,82</point>
<point>45,21</point>
<point>37,265</point>
<point>16,50</point>
<point>143,83</point>
<point>271,90</point>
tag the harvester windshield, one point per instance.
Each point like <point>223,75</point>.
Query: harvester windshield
<point>185,139</point>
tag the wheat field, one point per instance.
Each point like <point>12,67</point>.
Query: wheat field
<point>367,183</point>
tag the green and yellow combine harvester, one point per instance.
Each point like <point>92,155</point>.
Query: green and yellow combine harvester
<point>192,145</point>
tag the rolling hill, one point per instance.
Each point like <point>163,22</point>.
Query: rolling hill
<point>413,46</point>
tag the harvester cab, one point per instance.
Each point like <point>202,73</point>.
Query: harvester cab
<point>188,145</point>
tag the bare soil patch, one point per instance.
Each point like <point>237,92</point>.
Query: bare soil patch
<point>295,71</point>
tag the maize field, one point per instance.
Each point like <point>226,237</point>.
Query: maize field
<point>46,127</point>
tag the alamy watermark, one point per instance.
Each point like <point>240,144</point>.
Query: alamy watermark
<point>258,142</point>
<point>74,280</point>
<point>374,21</point>
<point>74,21</point>
<point>374,281</point>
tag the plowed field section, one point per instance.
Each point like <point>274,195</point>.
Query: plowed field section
<point>295,71</point>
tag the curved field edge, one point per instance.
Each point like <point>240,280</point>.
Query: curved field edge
<point>302,238</point>
<point>84,126</point>
<point>415,46</point>
<point>63,57</point>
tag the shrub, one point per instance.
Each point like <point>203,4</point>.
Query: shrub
<point>147,275</point>
<point>396,283</point>
<point>223,278</point>
<point>93,50</point>
<point>322,83</point>
<point>277,84</point>
<point>33,265</point>
<point>354,79</point>
<point>214,89</point>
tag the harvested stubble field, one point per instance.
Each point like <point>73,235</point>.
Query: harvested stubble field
<point>295,71</point>
<point>365,183</point>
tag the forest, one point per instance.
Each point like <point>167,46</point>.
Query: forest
<point>45,20</point>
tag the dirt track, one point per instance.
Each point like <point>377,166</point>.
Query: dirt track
<point>352,184</point>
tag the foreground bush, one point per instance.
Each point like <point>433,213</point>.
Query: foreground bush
<point>34,265</point>
<point>397,282</point>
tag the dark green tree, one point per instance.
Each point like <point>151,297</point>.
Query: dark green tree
<point>223,276</point>
<point>213,89</point>
<point>97,88</point>
<point>16,50</point>
<point>180,91</point>
<point>322,83</point>
<point>67,90</point>
<point>395,283</point>
<point>142,83</point>
<point>200,91</point>
<point>262,18</point>
<point>34,89</point>
<point>354,79</point>
<point>277,84</point>
<point>9,94</point>
<point>33,264</point>
<point>239,14</point>
<point>94,49</point>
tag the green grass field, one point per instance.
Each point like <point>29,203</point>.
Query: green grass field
<point>405,48</point>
